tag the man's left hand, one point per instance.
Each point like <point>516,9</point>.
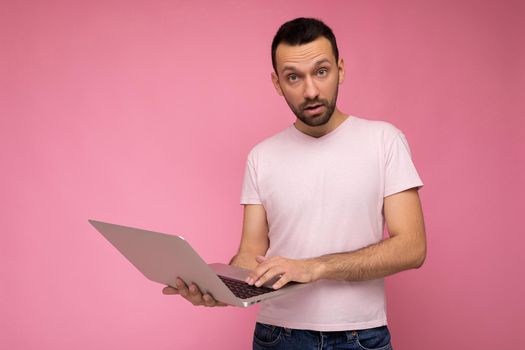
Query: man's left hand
<point>286,269</point>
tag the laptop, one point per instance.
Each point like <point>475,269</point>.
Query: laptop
<point>162,258</point>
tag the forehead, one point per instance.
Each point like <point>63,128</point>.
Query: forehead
<point>303,56</point>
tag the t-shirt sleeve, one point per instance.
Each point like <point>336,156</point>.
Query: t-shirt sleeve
<point>400,172</point>
<point>250,190</point>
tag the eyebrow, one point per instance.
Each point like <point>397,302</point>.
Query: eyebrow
<point>318,63</point>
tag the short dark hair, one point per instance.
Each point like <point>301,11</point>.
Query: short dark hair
<point>301,31</point>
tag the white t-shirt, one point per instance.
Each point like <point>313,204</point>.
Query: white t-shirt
<point>325,195</point>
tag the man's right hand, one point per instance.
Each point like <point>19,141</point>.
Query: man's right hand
<point>192,293</point>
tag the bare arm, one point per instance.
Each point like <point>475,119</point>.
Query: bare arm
<point>405,248</point>
<point>254,240</point>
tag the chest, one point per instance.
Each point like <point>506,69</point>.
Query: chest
<point>321,177</point>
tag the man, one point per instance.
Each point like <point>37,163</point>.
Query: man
<point>316,197</point>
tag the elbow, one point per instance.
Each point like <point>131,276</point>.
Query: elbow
<point>419,262</point>
<point>420,257</point>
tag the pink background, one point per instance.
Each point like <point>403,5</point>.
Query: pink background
<point>142,113</point>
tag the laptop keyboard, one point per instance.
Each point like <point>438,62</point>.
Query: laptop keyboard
<point>242,289</point>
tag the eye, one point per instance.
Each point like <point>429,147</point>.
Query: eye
<point>292,77</point>
<point>322,72</point>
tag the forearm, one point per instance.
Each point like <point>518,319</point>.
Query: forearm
<point>404,249</point>
<point>387,257</point>
<point>382,259</point>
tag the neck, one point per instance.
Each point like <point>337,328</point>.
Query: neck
<point>317,131</point>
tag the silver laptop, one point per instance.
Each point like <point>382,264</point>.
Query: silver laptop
<point>162,258</point>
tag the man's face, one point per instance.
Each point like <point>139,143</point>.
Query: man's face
<point>308,77</point>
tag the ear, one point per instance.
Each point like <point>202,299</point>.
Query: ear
<point>275,81</point>
<point>341,70</point>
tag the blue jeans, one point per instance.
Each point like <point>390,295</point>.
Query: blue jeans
<point>278,338</point>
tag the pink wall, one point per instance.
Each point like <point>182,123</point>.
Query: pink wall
<point>142,113</point>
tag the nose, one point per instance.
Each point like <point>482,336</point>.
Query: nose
<point>310,89</point>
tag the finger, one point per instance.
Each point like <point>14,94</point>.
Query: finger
<point>169,290</point>
<point>281,281</point>
<point>208,300</point>
<point>194,290</point>
<point>179,283</point>
<point>260,270</point>
<point>195,295</point>
<point>181,287</point>
<point>268,275</point>
<point>211,301</point>
<point>256,274</point>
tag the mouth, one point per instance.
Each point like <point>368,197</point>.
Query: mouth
<point>314,108</point>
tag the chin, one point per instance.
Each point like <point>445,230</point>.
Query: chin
<point>315,121</point>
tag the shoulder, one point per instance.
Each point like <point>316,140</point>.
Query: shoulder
<point>380,131</point>
<point>271,145</point>
<point>380,127</point>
